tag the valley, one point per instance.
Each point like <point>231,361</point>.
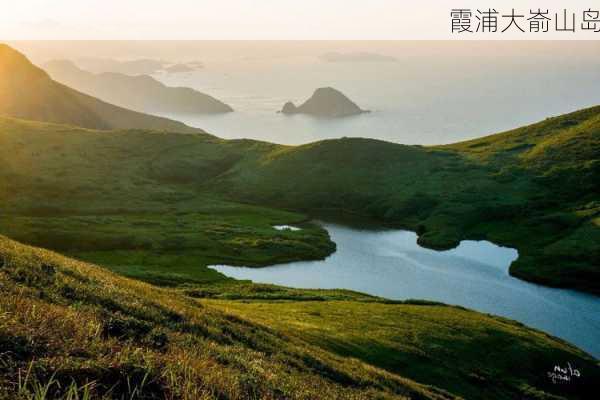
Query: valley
<point>139,207</point>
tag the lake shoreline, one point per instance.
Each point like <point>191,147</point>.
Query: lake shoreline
<point>465,269</point>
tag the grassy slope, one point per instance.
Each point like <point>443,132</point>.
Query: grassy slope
<point>28,92</point>
<point>175,248</point>
<point>534,188</point>
<point>66,326</point>
<point>562,155</point>
<point>72,323</point>
<point>95,195</point>
<point>442,346</point>
<point>144,204</point>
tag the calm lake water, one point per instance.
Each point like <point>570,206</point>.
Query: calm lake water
<point>389,263</point>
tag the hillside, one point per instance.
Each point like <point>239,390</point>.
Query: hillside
<point>69,329</point>
<point>141,93</point>
<point>27,92</point>
<point>534,188</point>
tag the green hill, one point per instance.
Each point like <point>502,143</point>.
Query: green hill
<point>74,330</point>
<point>534,188</point>
<point>27,92</point>
<point>159,207</point>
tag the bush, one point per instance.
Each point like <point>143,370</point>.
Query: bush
<point>157,340</point>
<point>125,328</point>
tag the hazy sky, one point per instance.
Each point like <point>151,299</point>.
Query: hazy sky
<point>256,19</point>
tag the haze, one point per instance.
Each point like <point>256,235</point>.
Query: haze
<point>420,92</point>
<point>251,19</point>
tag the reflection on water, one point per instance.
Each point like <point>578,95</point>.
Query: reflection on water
<point>389,263</point>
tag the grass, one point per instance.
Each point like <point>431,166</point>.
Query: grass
<point>70,330</point>
<point>159,207</point>
<point>533,188</point>
<point>464,352</point>
<point>69,324</point>
<point>176,248</point>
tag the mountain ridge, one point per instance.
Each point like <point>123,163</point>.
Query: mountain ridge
<point>28,92</point>
<point>142,93</point>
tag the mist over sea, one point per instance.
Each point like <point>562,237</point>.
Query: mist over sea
<point>423,93</point>
<point>419,92</point>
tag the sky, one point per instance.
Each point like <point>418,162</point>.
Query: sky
<point>258,19</point>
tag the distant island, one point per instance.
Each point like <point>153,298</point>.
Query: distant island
<point>335,57</point>
<point>143,66</point>
<point>325,102</point>
<point>179,67</point>
<point>142,93</point>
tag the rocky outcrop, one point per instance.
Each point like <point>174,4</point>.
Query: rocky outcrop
<point>325,102</point>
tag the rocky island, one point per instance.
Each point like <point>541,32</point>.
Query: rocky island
<point>325,102</point>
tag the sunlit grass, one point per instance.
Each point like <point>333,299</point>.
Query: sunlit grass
<point>71,329</point>
<point>67,327</point>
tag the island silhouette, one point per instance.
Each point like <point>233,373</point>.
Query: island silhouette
<point>325,102</point>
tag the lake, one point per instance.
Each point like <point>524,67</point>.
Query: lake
<point>389,263</point>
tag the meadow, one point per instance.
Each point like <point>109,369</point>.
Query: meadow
<point>73,330</point>
<point>534,189</point>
